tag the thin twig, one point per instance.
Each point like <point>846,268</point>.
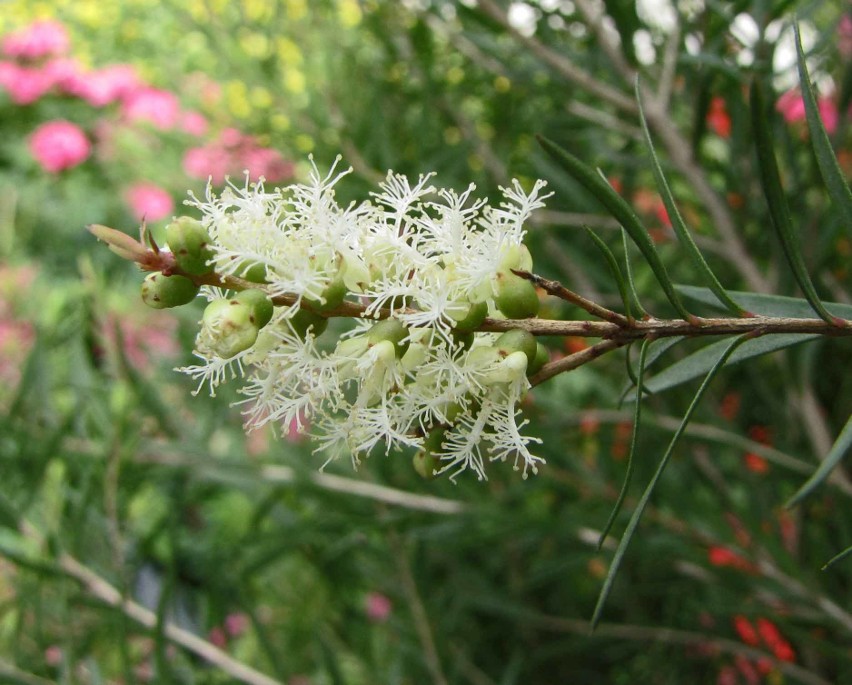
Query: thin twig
<point>556,289</point>
<point>568,69</point>
<point>573,361</point>
<point>669,70</point>
<point>107,593</point>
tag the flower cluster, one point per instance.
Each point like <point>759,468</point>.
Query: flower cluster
<point>420,267</point>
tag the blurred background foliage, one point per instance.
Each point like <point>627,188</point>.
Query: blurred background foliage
<point>115,477</point>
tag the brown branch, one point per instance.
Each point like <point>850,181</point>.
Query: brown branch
<point>556,289</point>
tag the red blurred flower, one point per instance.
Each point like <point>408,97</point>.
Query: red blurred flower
<point>746,630</point>
<point>59,145</point>
<point>149,202</point>
<point>40,39</point>
<point>718,118</point>
<point>730,405</point>
<point>724,557</point>
<point>756,464</point>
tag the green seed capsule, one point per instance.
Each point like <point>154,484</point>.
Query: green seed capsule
<point>190,244</point>
<point>542,356</point>
<point>517,340</point>
<point>473,319</point>
<point>162,292</point>
<point>226,328</point>
<point>261,306</point>
<point>254,272</point>
<point>425,462</point>
<point>516,296</point>
<point>332,296</point>
<point>392,330</point>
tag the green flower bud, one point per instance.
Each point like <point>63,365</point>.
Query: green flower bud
<point>261,306</point>
<point>516,296</point>
<point>304,319</point>
<point>190,244</point>
<point>473,319</point>
<point>161,292</point>
<point>254,272</point>
<point>392,330</point>
<point>227,328</point>
<point>462,339</point>
<point>426,464</point>
<point>542,356</point>
<point>516,257</point>
<point>517,340</point>
<point>332,296</point>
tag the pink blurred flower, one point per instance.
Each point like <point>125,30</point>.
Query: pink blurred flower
<point>378,607</point>
<point>102,87</point>
<point>149,202</point>
<point>24,84</point>
<point>844,35</point>
<point>144,341</point>
<point>207,162</point>
<point>59,145</point>
<point>63,72</point>
<point>193,123</point>
<point>158,107</point>
<point>53,655</point>
<point>236,624</point>
<point>792,108</point>
<point>40,39</point>
<point>217,637</point>
<point>233,154</point>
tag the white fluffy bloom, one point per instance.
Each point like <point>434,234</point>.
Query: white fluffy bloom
<point>427,258</point>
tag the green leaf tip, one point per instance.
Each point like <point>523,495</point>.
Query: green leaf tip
<point>678,223</point>
<point>620,210</point>
<point>779,211</point>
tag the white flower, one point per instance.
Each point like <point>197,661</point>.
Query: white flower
<point>423,256</point>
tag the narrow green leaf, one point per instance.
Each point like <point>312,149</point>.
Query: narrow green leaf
<point>766,305</point>
<point>637,414</point>
<point>835,454</point>
<point>779,212</point>
<point>646,496</point>
<point>829,168</point>
<point>619,209</point>
<point>678,223</point>
<point>613,268</point>
<point>701,361</point>
<point>629,271</point>
<point>839,557</point>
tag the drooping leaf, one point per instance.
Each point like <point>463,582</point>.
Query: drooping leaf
<point>766,305</point>
<point>835,454</point>
<point>829,168</point>
<point>623,544</point>
<point>637,414</point>
<point>678,224</point>
<point>779,211</point>
<point>618,207</point>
